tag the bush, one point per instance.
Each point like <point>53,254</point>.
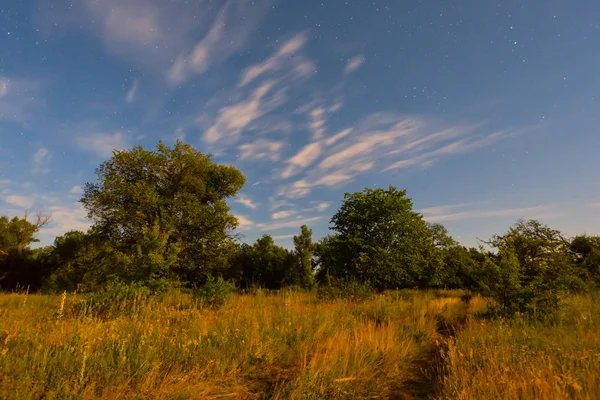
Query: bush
<point>349,289</point>
<point>115,298</point>
<point>214,293</point>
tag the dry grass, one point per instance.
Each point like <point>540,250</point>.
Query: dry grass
<point>559,359</point>
<point>282,346</point>
<point>292,346</point>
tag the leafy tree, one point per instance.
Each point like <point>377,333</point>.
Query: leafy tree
<point>382,240</point>
<point>72,257</point>
<point>303,254</point>
<point>531,271</point>
<point>586,253</point>
<point>19,265</point>
<point>161,215</point>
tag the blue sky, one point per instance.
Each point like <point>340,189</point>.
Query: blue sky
<point>484,111</point>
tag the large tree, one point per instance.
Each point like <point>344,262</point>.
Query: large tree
<point>18,263</point>
<point>161,215</point>
<point>381,239</point>
<point>302,274</point>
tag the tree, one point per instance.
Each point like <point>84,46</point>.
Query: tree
<point>531,271</point>
<point>19,265</point>
<point>72,258</point>
<point>382,240</point>
<point>586,256</point>
<point>161,215</point>
<point>303,254</point>
<point>263,264</point>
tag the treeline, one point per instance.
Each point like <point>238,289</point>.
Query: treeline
<point>160,219</point>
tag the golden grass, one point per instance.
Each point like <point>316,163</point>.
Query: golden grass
<point>559,359</point>
<point>290,345</point>
<point>282,346</point>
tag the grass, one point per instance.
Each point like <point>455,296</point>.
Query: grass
<point>291,345</point>
<point>520,359</point>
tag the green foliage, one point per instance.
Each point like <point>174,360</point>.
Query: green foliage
<point>531,271</point>
<point>263,264</point>
<point>19,265</point>
<point>214,293</point>
<point>347,289</point>
<point>302,274</point>
<point>586,253</point>
<point>382,240</point>
<point>161,215</point>
<point>114,299</point>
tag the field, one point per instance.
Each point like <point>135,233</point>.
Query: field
<point>402,345</point>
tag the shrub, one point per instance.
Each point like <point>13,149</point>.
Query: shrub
<point>115,298</point>
<point>349,289</point>
<point>214,293</point>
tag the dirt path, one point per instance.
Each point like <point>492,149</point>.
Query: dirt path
<point>429,367</point>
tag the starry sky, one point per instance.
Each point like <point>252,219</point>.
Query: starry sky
<point>485,111</point>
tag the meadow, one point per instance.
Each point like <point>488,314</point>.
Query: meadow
<point>292,345</point>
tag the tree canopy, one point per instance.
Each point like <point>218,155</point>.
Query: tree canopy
<point>162,214</point>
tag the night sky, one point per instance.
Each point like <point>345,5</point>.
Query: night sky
<point>484,111</point>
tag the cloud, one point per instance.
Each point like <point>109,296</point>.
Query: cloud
<point>18,97</point>
<point>465,145</point>
<point>234,119</point>
<point>103,144</point>
<point>283,214</point>
<point>276,61</point>
<point>20,201</point>
<point>283,237</point>
<point>302,159</point>
<point>40,158</point>
<point>453,213</point>
<point>76,190</point>
<point>4,84</point>
<point>246,201</point>
<point>232,27</point>
<point>244,222</point>
<point>130,96</point>
<point>64,219</point>
<point>260,149</point>
<point>319,207</point>
<point>594,205</point>
<point>354,63</point>
<point>288,224</point>
<point>371,139</point>
<point>317,124</point>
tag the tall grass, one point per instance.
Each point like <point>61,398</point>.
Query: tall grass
<point>256,346</point>
<point>292,345</point>
<point>521,359</point>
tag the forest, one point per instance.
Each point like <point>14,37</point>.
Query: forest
<point>226,318</point>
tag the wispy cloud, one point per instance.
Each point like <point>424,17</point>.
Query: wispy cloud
<point>283,214</point>
<point>130,96</point>
<point>275,61</point>
<point>18,97</point>
<point>40,160</point>
<point>283,237</point>
<point>76,190</point>
<point>319,207</point>
<point>468,211</point>
<point>234,119</point>
<point>260,149</point>
<point>103,144</point>
<point>64,219</point>
<point>288,224</point>
<point>244,222</point>
<point>20,201</point>
<point>246,201</point>
<point>354,63</point>
<point>232,27</point>
<point>302,159</point>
